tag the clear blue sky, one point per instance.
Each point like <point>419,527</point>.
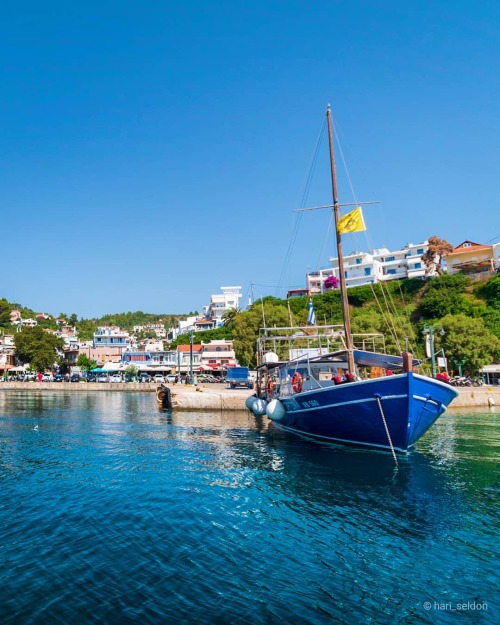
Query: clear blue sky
<point>152,152</point>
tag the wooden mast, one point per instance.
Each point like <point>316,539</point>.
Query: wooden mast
<point>336,213</point>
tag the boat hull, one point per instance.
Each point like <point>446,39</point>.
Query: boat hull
<point>393,411</point>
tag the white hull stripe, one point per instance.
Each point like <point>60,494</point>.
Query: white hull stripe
<point>347,403</point>
<point>339,440</point>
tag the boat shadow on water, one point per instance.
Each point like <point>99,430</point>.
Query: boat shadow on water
<point>333,481</point>
<point>415,496</point>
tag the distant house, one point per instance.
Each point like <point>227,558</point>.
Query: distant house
<point>218,355</point>
<point>297,292</point>
<point>29,323</point>
<point>471,258</point>
<point>184,358</point>
<point>15,316</point>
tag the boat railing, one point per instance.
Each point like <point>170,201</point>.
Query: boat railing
<point>291,343</point>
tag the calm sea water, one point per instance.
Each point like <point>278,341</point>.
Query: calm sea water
<point>113,512</point>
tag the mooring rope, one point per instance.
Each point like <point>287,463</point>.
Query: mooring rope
<point>377,397</point>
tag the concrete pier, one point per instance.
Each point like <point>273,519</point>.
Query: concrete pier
<point>219,396</point>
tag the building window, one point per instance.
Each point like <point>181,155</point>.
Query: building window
<point>358,261</point>
<point>389,258</point>
<point>418,265</point>
<point>368,271</point>
<point>420,250</point>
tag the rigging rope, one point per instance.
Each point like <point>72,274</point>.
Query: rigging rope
<point>298,219</point>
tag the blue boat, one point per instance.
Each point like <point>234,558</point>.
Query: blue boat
<point>390,412</point>
<point>348,395</point>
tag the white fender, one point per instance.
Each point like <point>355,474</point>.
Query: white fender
<point>249,401</point>
<point>259,407</point>
<point>275,410</point>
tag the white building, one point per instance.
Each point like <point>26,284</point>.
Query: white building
<point>221,302</point>
<point>374,266</point>
<point>111,336</point>
<point>496,255</point>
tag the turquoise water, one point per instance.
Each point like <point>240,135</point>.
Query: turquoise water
<point>113,512</point>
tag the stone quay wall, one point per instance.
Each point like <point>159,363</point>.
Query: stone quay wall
<point>219,396</point>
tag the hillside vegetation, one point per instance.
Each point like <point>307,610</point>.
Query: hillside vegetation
<point>464,315</point>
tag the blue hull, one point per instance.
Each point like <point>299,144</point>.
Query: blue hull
<point>352,413</point>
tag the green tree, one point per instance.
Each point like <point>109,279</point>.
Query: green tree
<point>131,370</point>
<point>228,316</point>
<point>246,327</point>
<point>5,310</point>
<point>37,347</point>
<point>490,291</point>
<point>86,329</point>
<point>491,319</point>
<point>85,363</point>
<point>468,340</point>
<point>445,295</point>
<point>397,331</point>
<point>63,366</point>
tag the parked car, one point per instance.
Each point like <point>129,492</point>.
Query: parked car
<point>144,377</point>
<point>29,377</point>
<point>116,378</point>
<point>129,378</point>
<point>75,377</point>
<point>172,378</point>
<point>47,377</point>
<point>58,377</point>
<point>158,378</point>
<point>102,377</point>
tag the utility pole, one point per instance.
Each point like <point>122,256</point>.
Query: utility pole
<point>191,356</point>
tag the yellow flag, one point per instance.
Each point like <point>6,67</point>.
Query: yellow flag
<point>352,222</point>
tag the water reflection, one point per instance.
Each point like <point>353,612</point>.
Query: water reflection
<point>225,500</point>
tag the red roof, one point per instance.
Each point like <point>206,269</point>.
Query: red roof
<point>468,246</point>
<point>187,348</point>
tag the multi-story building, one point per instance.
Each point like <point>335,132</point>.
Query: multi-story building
<point>220,303</point>
<point>370,267</point>
<point>7,352</point>
<point>112,336</point>
<point>218,355</point>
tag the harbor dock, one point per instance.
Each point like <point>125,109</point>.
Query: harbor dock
<point>219,396</point>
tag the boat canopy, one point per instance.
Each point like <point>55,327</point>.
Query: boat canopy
<point>361,358</point>
<point>366,359</point>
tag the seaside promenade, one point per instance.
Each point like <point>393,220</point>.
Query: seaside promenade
<point>219,396</point>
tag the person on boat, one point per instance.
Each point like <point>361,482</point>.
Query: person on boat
<point>337,379</point>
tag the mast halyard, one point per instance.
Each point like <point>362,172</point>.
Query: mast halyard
<point>336,213</point>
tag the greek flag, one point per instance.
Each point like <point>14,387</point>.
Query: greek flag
<point>311,317</point>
